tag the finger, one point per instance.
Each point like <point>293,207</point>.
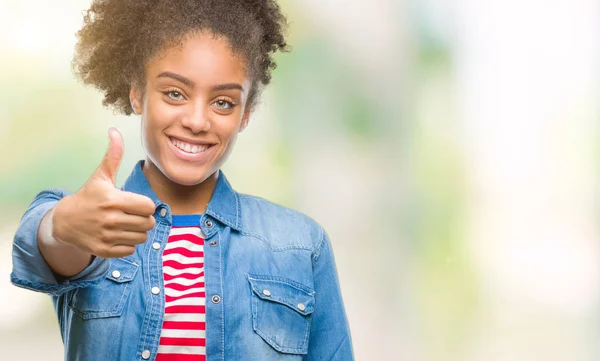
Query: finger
<point>109,166</point>
<point>131,223</point>
<point>118,251</point>
<point>125,238</point>
<point>136,204</point>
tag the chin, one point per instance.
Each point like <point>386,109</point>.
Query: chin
<point>188,176</point>
<point>189,179</point>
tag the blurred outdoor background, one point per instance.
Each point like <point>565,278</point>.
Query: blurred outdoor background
<point>451,149</point>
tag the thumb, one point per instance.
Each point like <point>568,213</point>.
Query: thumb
<point>112,158</point>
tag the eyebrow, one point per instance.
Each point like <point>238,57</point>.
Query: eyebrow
<point>191,84</point>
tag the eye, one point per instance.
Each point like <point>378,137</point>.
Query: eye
<point>175,95</point>
<point>224,104</point>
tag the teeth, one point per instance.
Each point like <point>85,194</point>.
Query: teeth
<point>189,148</point>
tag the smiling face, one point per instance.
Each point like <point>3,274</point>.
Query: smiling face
<point>192,109</point>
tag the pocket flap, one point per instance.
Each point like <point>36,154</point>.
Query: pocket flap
<point>122,270</point>
<point>281,290</point>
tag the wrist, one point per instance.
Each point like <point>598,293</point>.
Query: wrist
<point>53,222</point>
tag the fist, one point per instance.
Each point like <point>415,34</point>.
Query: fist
<point>101,219</point>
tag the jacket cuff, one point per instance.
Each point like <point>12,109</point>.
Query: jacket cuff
<point>30,270</point>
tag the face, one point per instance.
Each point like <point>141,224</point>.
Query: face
<point>192,109</point>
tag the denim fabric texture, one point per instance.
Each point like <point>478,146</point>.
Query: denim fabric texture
<point>272,289</point>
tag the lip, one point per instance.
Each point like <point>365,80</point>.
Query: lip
<point>191,141</point>
<point>198,157</point>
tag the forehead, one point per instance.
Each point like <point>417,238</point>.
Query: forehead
<point>202,58</point>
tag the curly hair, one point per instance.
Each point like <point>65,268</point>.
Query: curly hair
<point>118,37</point>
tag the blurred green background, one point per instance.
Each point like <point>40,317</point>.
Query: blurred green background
<point>449,148</point>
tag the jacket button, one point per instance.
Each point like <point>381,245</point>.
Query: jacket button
<point>155,290</point>
<point>213,243</point>
<point>146,354</point>
<point>216,299</point>
<point>156,245</point>
<point>301,307</point>
<point>116,274</point>
<point>267,293</point>
<point>208,223</point>
<point>163,212</point>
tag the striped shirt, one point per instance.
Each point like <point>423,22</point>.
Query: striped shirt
<point>183,336</point>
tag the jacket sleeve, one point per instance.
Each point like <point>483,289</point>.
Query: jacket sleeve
<point>30,270</point>
<point>330,334</point>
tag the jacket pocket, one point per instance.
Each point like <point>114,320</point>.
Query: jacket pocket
<point>108,297</point>
<point>281,312</point>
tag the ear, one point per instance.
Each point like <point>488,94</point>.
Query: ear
<point>245,118</point>
<point>135,99</point>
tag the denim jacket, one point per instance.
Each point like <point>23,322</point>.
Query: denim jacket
<point>254,248</point>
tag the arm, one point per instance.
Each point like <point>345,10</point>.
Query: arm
<point>330,334</point>
<point>30,269</point>
<point>64,259</point>
<point>61,231</point>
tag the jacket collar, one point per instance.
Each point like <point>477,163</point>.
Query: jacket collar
<point>224,204</point>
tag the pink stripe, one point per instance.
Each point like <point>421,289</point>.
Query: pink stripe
<point>179,357</point>
<point>178,287</point>
<point>187,276</point>
<point>180,341</point>
<point>186,237</point>
<point>184,252</point>
<point>180,325</point>
<point>185,309</point>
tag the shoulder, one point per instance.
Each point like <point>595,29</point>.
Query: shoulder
<point>280,226</point>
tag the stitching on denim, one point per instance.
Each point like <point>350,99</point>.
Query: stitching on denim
<point>115,311</point>
<point>222,297</point>
<point>286,281</point>
<point>54,290</point>
<point>237,211</point>
<point>319,248</point>
<point>277,249</point>
<point>222,219</point>
<point>255,305</point>
<point>160,302</point>
<point>340,346</point>
<point>277,346</point>
<point>147,320</point>
<point>307,330</point>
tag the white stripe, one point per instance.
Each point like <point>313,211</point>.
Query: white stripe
<point>184,281</point>
<point>190,301</point>
<point>183,259</point>
<point>196,231</point>
<point>175,293</point>
<point>185,244</point>
<point>194,350</point>
<point>183,333</point>
<point>175,272</point>
<point>185,317</point>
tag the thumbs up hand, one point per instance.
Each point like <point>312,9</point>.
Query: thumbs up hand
<point>99,218</point>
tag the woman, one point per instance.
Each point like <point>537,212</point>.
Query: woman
<point>176,265</point>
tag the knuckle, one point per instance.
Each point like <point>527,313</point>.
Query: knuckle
<point>110,200</point>
<point>110,220</point>
<point>105,236</point>
<point>141,238</point>
<point>149,207</point>
<point>151,223</point>
<point>101,251</point>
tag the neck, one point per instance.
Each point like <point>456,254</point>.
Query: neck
<point>180,198</point>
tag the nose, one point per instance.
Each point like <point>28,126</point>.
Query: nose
<point>197,119</point>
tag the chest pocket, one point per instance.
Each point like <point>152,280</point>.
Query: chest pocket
<point>281,312</point>
<point>108,297</point>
